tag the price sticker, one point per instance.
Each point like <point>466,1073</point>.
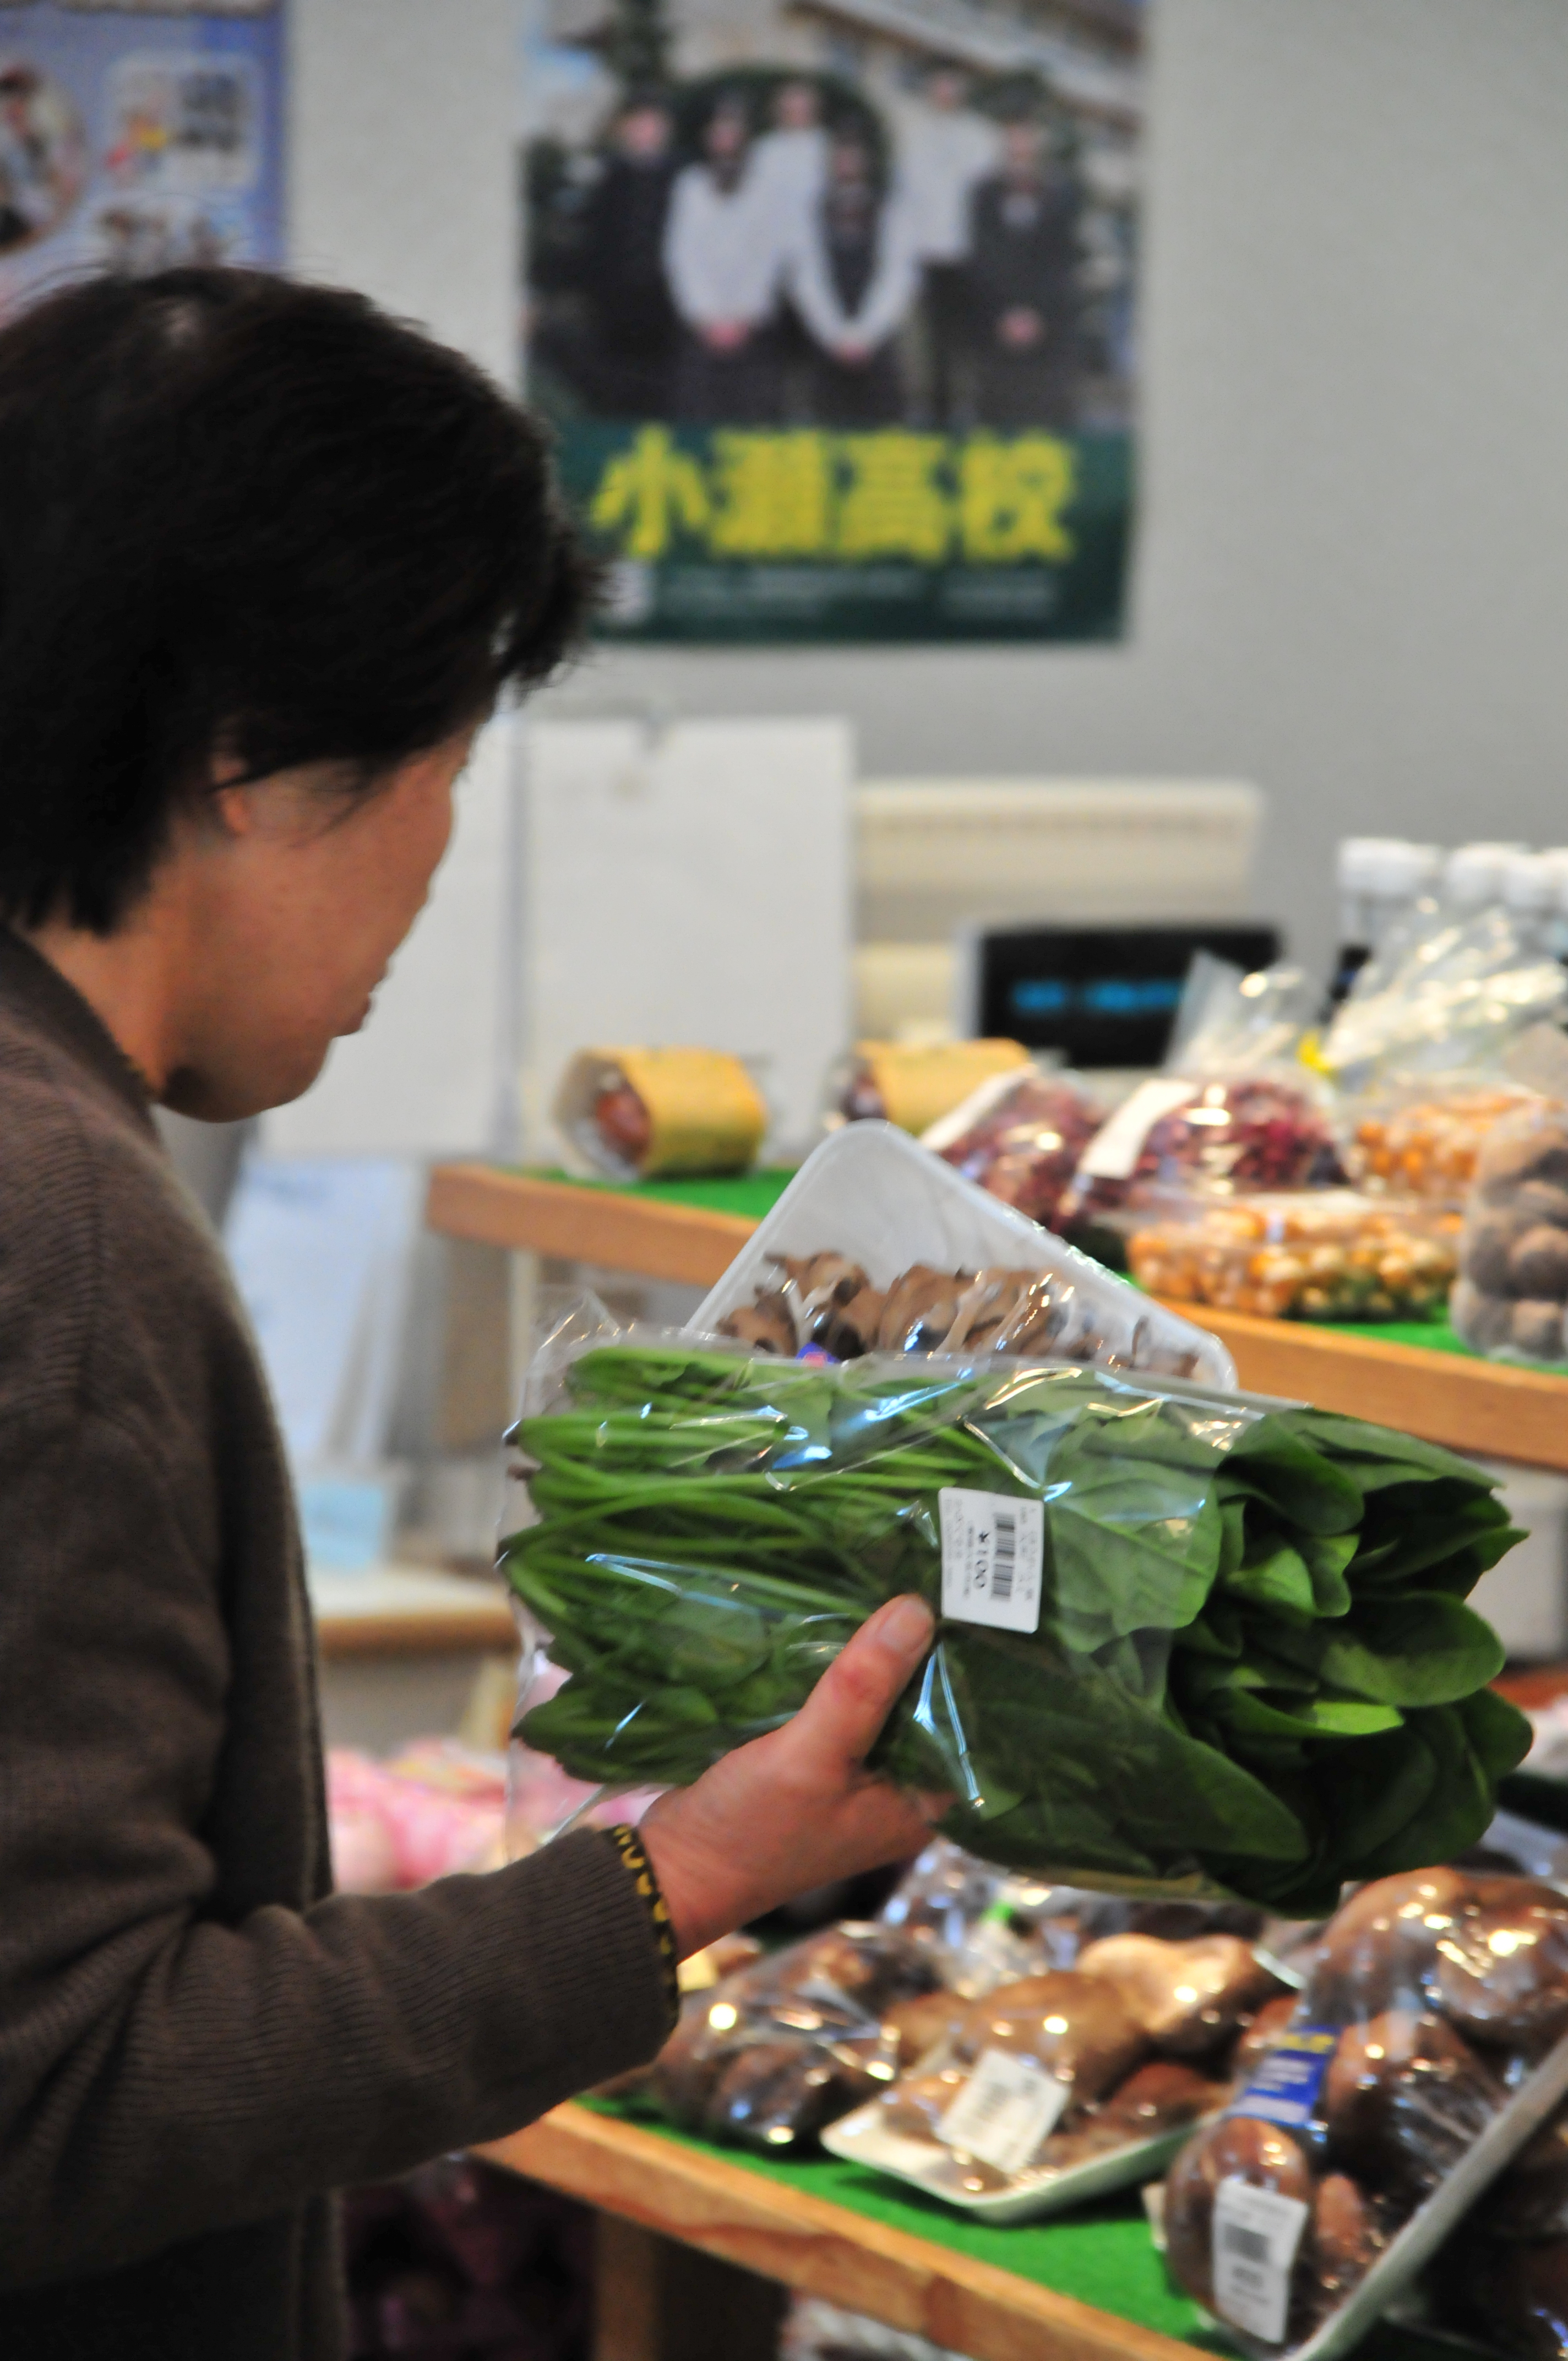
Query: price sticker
<point>994,1553</point>
<point>1256,2232</point>
<point>1008,2106</point>
<point>1113,1152</point>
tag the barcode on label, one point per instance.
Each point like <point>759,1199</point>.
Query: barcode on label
<point>1005,2112</point>
<point>993,1553</point>
<point>1256,2234</point>
<point>1004,1557</point>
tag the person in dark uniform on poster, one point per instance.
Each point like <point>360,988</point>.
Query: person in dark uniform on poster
<point>725,251</point>
<point>852,278</point>
<point>635,332</point>
<point>1022,283</point>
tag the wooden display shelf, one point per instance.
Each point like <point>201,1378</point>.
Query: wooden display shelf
<point>702,2200</point>
<point>1470,1405</point>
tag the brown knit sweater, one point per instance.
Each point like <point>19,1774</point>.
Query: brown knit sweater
<point>197,2041</point>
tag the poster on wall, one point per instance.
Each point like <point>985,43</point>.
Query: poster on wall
<point>832,304</point>
<point>136,135</point>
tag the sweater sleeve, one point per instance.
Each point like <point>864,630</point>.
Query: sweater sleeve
<point>163,2072</point>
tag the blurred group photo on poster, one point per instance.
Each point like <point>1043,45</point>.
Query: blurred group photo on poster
<point>850,233</point>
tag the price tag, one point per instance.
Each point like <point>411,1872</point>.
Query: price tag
<point>1004,2111</point>
<point>1256,2232</point>
<point>993,1551</point>
<point>1290,2075</point>
<point>1113,1152</point>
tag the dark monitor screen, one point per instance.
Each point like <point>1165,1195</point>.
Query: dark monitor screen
<point>1102,995</point>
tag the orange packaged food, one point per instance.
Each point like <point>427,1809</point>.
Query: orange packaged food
<point>1325,1255</point>
<point>1428,1147</point>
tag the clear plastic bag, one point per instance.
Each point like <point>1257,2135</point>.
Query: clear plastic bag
<point>1444,995</point>
<point>1433,2017</point>
<point>1186,1642</point>
<point>1021,1136</point>
<point>1513,1258</point>
<point>1234,1110</point>
<point>772,2055</point>
<point>1324,1254</point>
<point>1504,2274</point>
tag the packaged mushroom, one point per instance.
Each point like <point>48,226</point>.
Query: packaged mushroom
<point>640,1115</point>
<point>1063,2085</point>
<point>1513,1255</point>
<point>878,1246</point>
<point>1427,2045</point>
<point>770,2056</point>
<point>914,1084</point>
<point>1504,2274</point>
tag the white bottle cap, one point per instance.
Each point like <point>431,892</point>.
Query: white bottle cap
<point>1531,885</point>
<point>1473,875</point>
<point>1386,867</point>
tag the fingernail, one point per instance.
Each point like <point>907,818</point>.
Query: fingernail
<point>905,1626</point>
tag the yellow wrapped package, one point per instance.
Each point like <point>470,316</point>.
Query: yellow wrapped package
<point>915,1085</point>
<point>635,1114</point>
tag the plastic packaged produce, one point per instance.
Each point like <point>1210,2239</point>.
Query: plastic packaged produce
<point>1185,1641</point>
<point>1380,879</point>
<point>870,1202</point>
<point>1236,1111</point>
<point>1326,1253</point>
<point>771,2054</point>
<point>1436,1009</point>
<point>636,1114</point>
<point>1427,2045</point>
<point>1513,1254</point>
<point>1504,2274</point>
<point>1063,2085</point>
<point>913,1084</point>
<point>1020,1136</point>
<point>1427,1147</point>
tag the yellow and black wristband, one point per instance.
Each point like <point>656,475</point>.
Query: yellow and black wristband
<point>634,1858</point>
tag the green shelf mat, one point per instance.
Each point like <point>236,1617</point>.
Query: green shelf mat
<point>1102,2255</point>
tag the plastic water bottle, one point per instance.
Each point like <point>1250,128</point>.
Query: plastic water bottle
<point>1379,878</point>
<point>1474,875</point>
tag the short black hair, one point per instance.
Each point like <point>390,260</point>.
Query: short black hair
<point>240,513</point>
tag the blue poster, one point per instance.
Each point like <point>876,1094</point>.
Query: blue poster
<point>135,134</point>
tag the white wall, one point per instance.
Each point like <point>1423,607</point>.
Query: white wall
<point>1353,572</point>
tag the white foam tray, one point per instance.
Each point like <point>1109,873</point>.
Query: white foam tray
<point>860,2138</point>
<point>871,1193</point>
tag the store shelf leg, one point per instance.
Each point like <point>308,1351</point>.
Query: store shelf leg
<point>657,2301</point>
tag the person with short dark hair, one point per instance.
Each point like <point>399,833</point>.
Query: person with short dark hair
<point>632,347</point>
<point>267,559</point>
<point>1024,289</point>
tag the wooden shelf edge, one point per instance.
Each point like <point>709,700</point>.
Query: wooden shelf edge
<point>526,1215</point>
<point>433,1634</point>
<point>809,2242</point>
<point>1483,1407</point>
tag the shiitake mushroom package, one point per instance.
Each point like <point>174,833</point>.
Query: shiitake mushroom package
<point>769,2056</point>
<point>1433,2003</point>
<point>1063,2084</point>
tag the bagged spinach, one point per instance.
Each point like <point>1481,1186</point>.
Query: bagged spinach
<point>1185,1641</point>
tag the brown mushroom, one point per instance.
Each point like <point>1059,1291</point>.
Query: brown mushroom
<point>1405,2097</point>
<point>1238,2148</point>
<point>1188,1997</point>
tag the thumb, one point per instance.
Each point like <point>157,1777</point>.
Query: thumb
<point>844,1715</point>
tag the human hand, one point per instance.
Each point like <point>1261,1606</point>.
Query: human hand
<point>797,1809</point>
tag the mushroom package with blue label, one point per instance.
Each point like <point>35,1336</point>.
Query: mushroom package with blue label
<point>1432,1998</point>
